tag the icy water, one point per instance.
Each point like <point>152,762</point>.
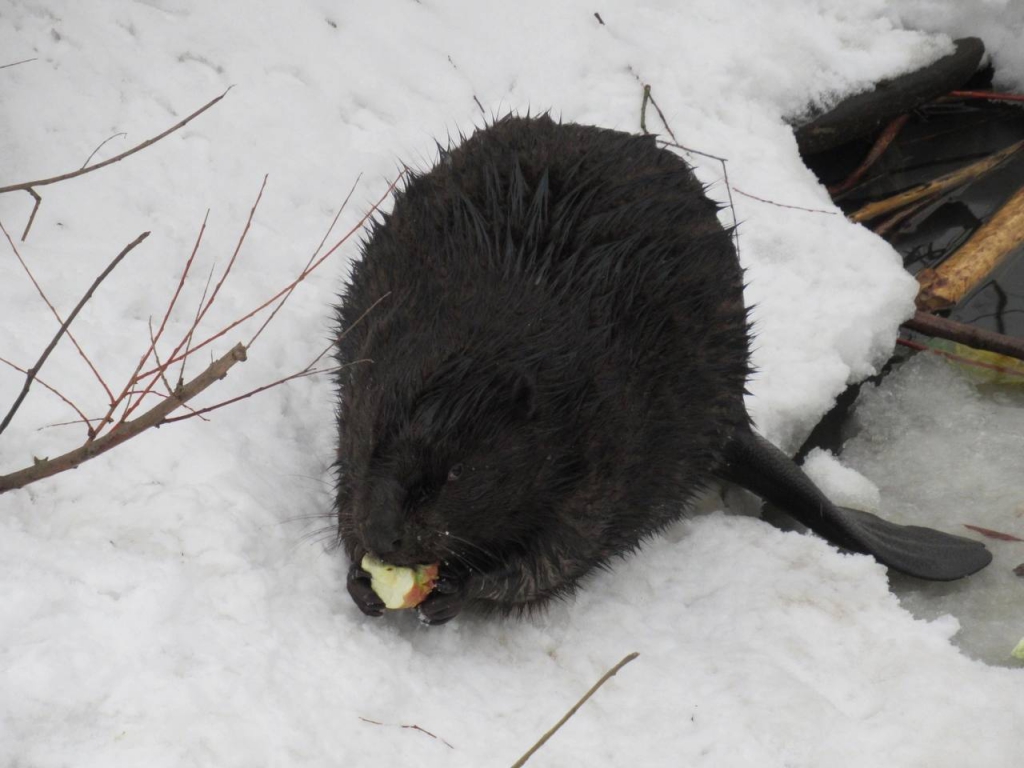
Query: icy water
<point>946,449</point>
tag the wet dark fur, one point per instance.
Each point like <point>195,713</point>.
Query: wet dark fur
<point>558,355</point>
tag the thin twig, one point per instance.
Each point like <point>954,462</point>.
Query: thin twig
<point>167,313</point>
<point>54,312</point>
<point>163,375</point>
<point>125,431</point>
<point>783,205</point>
<point>300,375</point>
<point>29,186</point>
<point>234,255</point>
<point>882,143</point>
<point>355,228</point>
<point>204,303</point>
<point>604,678</point>
<point>725,178</point>
<point>992,95</point>
<point>64,327</point>
<point>32,216</point>
<point>323,240</point>
<point>42,383</point>
<point>16,63</point>
<point>26,185</point>
<point>309,370</point>
<point>648,96</point>
<point>412,727</point>
<point>643,109</point>
<point>93,153</point>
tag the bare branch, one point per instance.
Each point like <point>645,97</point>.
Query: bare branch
<point>64,326</point>
<point>29,186</point>
<point>154,417</point>
<point>572,711</point>
<point>25,185</point>
<point>968,335</point>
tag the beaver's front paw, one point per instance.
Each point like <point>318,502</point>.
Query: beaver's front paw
<point>445,602</point>
<point>362,593</point>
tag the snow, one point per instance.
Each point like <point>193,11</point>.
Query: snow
<point>171,602</point>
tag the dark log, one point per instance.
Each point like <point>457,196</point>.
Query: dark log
<point>869,112</point>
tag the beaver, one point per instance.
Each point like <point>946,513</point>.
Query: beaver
<point>543,360</point>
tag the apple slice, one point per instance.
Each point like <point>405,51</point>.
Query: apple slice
<point>397,586</point>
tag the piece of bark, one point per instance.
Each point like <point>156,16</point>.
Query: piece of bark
<point>869,112</point>
<point>947,284</point>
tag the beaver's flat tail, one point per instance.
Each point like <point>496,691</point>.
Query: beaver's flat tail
<point>757,465</point>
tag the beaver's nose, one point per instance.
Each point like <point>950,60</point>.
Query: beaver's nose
<point>382,539</point>
<point>383,516</point>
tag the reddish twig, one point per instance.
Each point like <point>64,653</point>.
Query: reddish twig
<point>323,240</point>
<point>302,276</point>
<point>885,138</point>
<point>53,309</point>
<point>309,370</point>
<point>154,339</point>
<point>163,373</point>
<point>84,419</point>
<point>64,324</point>
<point>992,95</point>
<point>234,255</point>
<point>258,390</point>
<point>989,533</point>
<point>204,304</point>
<point>412,727</point>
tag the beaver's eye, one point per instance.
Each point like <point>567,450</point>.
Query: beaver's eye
<point>454,472</point>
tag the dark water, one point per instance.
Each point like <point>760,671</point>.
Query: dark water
<point>938,139</point>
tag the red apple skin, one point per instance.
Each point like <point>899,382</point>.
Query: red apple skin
<point>426,577</point>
